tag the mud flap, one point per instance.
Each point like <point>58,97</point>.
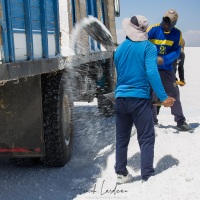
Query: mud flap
<point>21,124</point>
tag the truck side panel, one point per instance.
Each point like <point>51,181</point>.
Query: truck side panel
<point>31,29</point>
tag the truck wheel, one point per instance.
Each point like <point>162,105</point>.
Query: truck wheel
<point>106,85</point>
<point>106,106</point>
<point>57,119</point>
<point>99,101</point>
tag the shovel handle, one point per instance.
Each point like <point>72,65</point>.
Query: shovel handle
<point>157,103</point>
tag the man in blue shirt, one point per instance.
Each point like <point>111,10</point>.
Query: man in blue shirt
<point>168,39</point>
<point>136,66</point>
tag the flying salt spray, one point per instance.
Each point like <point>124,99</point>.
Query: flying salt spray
<point>94,28</point>
<point>98,31</point>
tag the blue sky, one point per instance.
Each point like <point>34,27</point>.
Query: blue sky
<point>153,10</point>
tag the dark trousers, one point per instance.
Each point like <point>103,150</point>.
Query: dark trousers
<point>169,82</point>
<point>137,111</point>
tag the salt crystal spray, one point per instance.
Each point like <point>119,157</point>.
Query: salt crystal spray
<point>96,29</point>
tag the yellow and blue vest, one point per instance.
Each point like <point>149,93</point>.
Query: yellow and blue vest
<point>168,44</point>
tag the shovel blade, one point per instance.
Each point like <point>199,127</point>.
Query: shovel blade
<point>110,96</point>
<point>98,31</point>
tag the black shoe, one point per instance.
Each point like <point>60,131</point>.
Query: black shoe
<point>144,180</point>
<point>156,124</point>
<point>183,126</point>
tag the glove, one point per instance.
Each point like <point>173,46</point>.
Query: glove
<point>181,83</point>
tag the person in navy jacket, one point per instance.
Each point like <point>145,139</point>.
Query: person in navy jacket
<point>167,39</point>
<point>136,66</point>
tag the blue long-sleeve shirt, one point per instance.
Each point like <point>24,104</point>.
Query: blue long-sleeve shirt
<point>136,66</point>
<point>168,44</point>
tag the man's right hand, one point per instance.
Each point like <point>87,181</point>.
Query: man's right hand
<point>168,102</point>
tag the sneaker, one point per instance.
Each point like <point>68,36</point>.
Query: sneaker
<point>183,126</point>
<point>124,179</point>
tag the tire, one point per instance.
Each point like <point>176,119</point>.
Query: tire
<point>57,118</point>
<point>107,86</point>
<point>99,101</point>
<point>106,106</point>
